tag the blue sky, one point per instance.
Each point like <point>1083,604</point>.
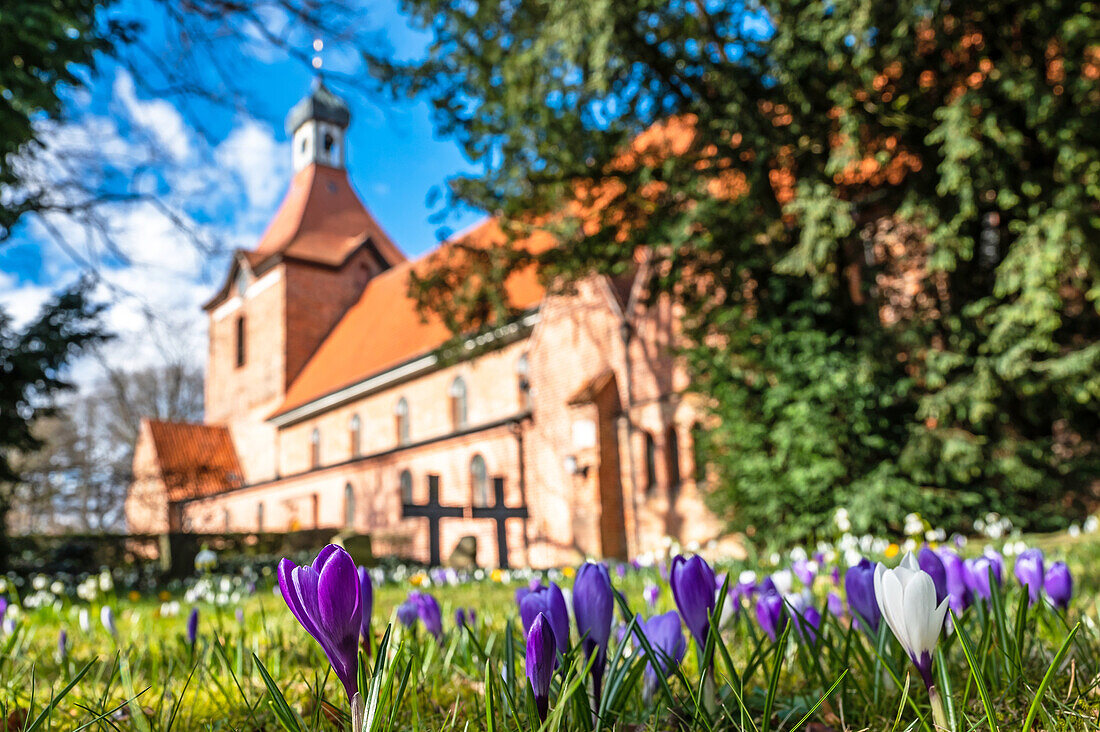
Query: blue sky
<point>226,178</point>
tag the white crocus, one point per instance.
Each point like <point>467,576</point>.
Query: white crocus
<point>907,598</point>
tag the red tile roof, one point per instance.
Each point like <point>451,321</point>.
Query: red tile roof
<point>194,460</point>
<point>322,220</point>
<point>384,328</point>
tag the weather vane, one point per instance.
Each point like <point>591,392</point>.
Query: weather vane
<point>318,46</point>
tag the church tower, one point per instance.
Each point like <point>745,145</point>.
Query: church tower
<point>280,299</point>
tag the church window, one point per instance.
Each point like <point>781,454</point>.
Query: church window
<point>315,448</point>
<point>315,509</point>
<point>650,464</point>
<point>242,282</point>
<point>349,505</point>
<point>401,415</point>
<point>240,335</point>
<point>259,517</point>
<point>458,403</point>
<point>354,430</point>
<point>225,518</point>
<point>479,481</point>
<point>329,142</point>
<point>523,368</point>
<point>672,458</point>
<point>406,481</point>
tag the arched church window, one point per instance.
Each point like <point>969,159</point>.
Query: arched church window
<point>240,344</point>
<point>401,415</point>
<point>672,458</point>
<point>329,142</point>
<point>650,464</point>
<point>479,481</point>
<point>349,506</point>
<point>353,428</point>
<point>458,403</point>
<point>315,448</point>
<point>242,282</point>
<point>406,482</point>
<point>225,518</point>
<point>260,517</point>
<point>523,368</point>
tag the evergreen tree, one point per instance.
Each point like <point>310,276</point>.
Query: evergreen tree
<point>881,221</point>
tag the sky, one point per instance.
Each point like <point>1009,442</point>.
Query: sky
<point>224,171</point>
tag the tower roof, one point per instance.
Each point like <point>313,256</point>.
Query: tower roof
<point>321,104</point>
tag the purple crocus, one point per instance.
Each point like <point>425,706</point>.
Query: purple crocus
<point>692,581</point>
<point>62,646</point>
<point>522,592</point>
<point>1058,584</point>
<point>835,605</point>
<point>770,613</point>
<point>859,584</point>
<point>429,612</point>
<point>193,628</point>
<point>550,602</point>
<point>408,614</point>
<point>460,616</point>
<point>930,562</point>
<point>651,593</point>
<point>807,618</point>
<point>1029,571</point>
<point>958,591</point>
<point>977,576</point>
<point>665,635</point>
<point>804,571</point>
<point>541,661</point>
<point>325,599</point>
<point>592,608</point>
<point>366,592</point>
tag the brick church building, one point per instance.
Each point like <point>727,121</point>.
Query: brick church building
<point>330,401</point>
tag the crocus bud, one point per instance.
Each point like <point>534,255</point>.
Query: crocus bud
<point>1058,584</point>
<point>651,593</point>
<point>805,570</point>
<point>429,612</point>
<point>835,605</point>
<point>807,618</point>
<point>541,661</point>
<point>859,583</point>
<point>1029,571</point>
<point>592,608</point>
<point>62,646</point>
<point>460,617</point>
<point>770,613</point>
<point>407,614</point>
<point>931,563</point>
<point>325,599</point>
<point>193,627</point>
<point>692,581</point>
<point>82,619</point>
<point>550,602</point>
<point>107,617</point>
<point>366,591</point>
<point>907,598</point>
<point>958,592</point>
<point>666,637</point>
<point>977,576</point>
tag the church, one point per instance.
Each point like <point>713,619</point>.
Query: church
<point>331,401</point>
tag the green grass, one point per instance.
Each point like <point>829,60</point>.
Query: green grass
<point>1008,665</point>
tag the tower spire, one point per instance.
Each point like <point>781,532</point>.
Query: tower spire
<point>317,126</point>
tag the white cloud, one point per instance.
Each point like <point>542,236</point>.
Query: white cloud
<point>157,260</point>
<point>158,118</point>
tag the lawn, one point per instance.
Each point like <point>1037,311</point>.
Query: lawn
<point>1001,665</point>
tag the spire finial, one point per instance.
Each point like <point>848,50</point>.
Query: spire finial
<point>318,46</point>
